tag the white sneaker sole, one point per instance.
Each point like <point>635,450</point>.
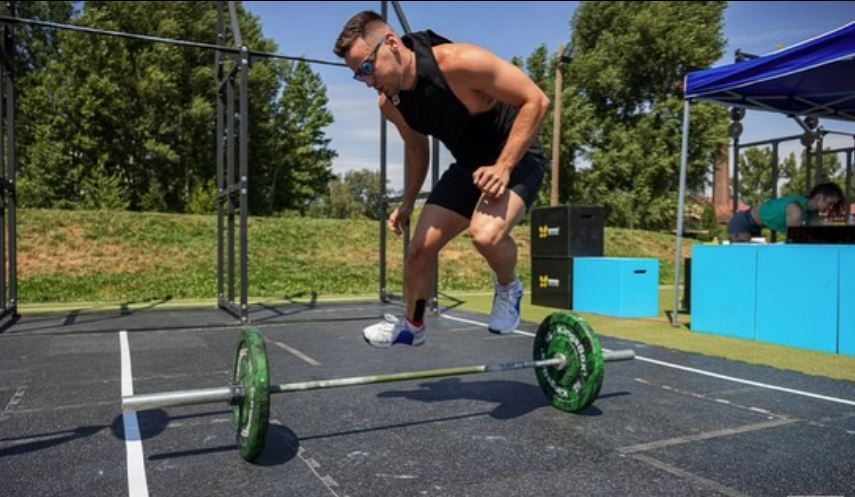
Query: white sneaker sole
<point>508,331</point>
<point>386,345</point>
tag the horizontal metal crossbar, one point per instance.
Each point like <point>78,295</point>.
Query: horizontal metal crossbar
<point>159,39</point>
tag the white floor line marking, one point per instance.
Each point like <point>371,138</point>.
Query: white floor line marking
<point>13,403</point>
<point>734,379</point>
<point>297,353</point>
<point>137,485</point>
<point>708,435</point>
<point>313,465</point>
<point>714,485</point>
<point>748,382</point>
<point>483,325</point>
<point>769,414</point>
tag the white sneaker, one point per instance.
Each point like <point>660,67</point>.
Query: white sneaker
<point>393,330</point>
<point>506,307</point>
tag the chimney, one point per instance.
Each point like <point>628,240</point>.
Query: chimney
<point>721,186</point>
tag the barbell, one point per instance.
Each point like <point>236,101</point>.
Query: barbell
<point>567,360</point>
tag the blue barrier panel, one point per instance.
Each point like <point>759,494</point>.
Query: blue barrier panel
<point>613,286</point>
<point>846,303</point>
<point>797,296</point>
<point>724,291</point>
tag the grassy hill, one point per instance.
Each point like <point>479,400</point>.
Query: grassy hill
<point>71,257</point>
<point>83,256</point>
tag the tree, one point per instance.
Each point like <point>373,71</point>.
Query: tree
<point>102,191</point>
<point>755,175</point>
<point>364,186</point>
<point>794,172</point>
<point>630,59</point>
<point>144,112</point>
<point>355,195</point>
<point>35,49</point>
<point>305,165</point>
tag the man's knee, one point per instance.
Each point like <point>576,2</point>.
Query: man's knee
<point>419,253</point>
<point>486,237</point>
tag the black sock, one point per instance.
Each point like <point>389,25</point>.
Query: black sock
<point>419,314</point>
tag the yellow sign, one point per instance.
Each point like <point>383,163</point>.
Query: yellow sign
<point>544,231</point>
<point>544,281</point>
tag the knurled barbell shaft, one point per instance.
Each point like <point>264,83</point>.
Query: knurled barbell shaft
<point>414,375</point>
<point>622,355</point>
<point>226,394</point>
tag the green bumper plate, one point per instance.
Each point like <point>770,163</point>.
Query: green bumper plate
<point>577,385</point>
<point>250,415</point>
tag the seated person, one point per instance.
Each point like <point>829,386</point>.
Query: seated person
<point>792,210</point>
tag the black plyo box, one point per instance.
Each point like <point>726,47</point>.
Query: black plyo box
<point>552,282</point>
<point>567,231</point>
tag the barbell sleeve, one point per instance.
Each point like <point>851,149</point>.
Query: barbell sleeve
<point>618,355</point>
<point>178,398</point>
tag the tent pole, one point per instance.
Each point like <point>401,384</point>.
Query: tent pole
<point>684,152</point>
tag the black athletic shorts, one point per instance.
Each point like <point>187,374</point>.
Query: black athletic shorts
<point>456,189</point>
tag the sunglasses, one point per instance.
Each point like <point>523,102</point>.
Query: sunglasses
<point>366,69</point>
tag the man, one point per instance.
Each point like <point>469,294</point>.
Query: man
<point>487,112</point>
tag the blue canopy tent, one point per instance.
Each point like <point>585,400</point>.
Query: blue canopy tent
<point>813,78</point>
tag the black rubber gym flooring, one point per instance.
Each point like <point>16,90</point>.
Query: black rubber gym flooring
<point>666,424</point>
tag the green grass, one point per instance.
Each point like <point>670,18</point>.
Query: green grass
<point>93,261</point>
<point>658,331</point>
<point>83,256</point>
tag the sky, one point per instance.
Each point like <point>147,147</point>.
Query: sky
<point>511,29</point>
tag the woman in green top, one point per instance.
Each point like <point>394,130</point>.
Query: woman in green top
<point>792,210</point>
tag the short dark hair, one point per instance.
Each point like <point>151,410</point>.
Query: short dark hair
<point>356,27</point>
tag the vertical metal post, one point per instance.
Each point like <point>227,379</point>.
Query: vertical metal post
<point>808,166</point>
<point>849,175</point>
<point>735,175</point>
<point>230,180</point>
<point>775,172</point>
<point>406,235</point>
<point>221,188</point>
<point>556,129</point>
<point>775,180</point>
<point>684,152</point>
<point>401,17</point>
<point>3,198</point>
<point>820,167</point>
<point>434,160</point>
<point>11,168</point>
<point>244,184</point>
<point>383,294</point>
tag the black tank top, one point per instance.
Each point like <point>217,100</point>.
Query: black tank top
<point>431,108</point>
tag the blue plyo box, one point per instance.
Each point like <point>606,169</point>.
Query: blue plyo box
<point>798,296</point>
<point>613,286</point>
<point>724,290</point>
<point>846,302</point>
